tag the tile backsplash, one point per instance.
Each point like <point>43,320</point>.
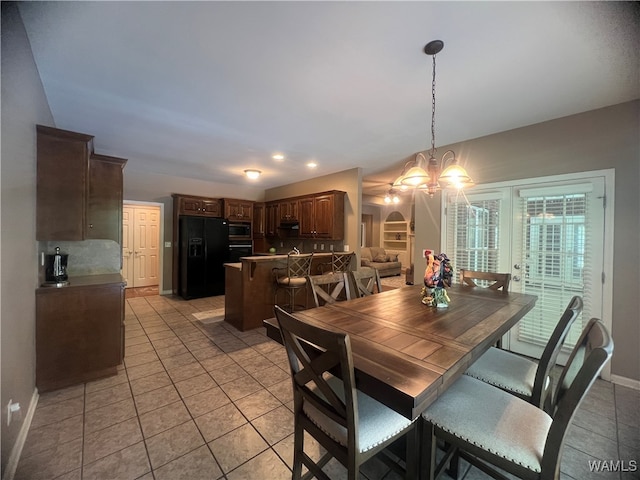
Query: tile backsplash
<point>87,257</point>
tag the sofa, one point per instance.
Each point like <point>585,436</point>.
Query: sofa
<point>376,257</point>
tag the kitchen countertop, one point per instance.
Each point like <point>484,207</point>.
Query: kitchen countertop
<point>87,280</point>
<point>282,256</point>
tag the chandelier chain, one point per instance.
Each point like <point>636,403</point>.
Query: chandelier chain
<point>433,109</point>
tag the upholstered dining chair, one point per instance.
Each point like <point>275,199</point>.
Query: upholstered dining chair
<point>293,278</point>
<point>490,427</point>
<point>497,280</point>
<point>329,288</point>
<point>365,281</point>
<point>520,376</point>
<point>351,426</point>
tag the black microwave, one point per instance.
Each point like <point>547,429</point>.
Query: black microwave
<point>239,230</point>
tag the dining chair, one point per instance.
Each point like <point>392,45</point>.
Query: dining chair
<point>499,280</point>
<point>521,376</point>
<point>365,281</point>
<point>340,262</point>
<point>490,427</point>
<point>293,278</point>
<point>329,288</point>
<point>350,425</point>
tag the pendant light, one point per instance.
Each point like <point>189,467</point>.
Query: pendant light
<point>431,175</point>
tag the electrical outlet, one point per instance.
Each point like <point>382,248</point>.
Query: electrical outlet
<point>13,410</point>
<point>322,246</point>
<point>346,248</point>
<point>331,247</point>
<point>167,244</point>
<point>315,246</point>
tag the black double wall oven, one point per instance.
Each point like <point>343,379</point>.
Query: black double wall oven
<point>240,241</point>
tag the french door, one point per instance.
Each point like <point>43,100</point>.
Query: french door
<point>549,234</point>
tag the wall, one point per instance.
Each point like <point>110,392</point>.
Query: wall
<point>349,181</point>
<point>374,211</point>
<point>23,106</point>
<point>599,139</point>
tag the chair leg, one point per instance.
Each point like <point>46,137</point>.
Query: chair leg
<point>412,461</point>
<point>454,464</point>
<point>298,449</point>
<point>428,453</point>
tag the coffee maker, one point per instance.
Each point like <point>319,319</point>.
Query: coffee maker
<point>56,269</point>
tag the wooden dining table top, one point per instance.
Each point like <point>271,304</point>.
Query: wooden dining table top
<point>405,353</point>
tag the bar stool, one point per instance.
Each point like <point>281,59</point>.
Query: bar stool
<point>340,262</point>
<point>293,278</point>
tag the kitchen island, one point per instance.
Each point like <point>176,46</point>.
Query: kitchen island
<point>250,288</point>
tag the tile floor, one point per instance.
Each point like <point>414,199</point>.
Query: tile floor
<point>205,401</point>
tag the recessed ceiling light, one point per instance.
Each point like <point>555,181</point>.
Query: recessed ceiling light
<point>252,173</point>
<point>277,156</point>
<point>312,164</point>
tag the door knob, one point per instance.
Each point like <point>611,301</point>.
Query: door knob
<point>517,266</point>
<point>515,278</point>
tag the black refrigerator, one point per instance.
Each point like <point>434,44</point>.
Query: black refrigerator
<point>204,248</point>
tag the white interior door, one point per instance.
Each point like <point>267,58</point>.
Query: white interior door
<point>141,245</point>
<point>549,234</point>
<point>146,246</point>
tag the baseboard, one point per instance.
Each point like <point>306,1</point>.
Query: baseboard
<point>625,382</point>
<point>16,451</point>
<point>166,292</point>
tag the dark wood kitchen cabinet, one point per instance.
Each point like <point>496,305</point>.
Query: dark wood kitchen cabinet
<point>79,193</point>
<point>238,210</point>
<point>79,331</point>
<point>288,210</point>
<point>200,206</point>
<point>104,199</point>
<point>322,216</point>
<point>259,222</point>
<point>271,219</point>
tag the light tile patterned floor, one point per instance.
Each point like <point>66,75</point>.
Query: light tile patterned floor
<point>205,401</point>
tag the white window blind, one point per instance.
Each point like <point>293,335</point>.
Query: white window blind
<point>473,233</point>
<point>556,253</point>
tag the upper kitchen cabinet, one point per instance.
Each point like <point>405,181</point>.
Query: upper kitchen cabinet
<point>322,216</point>
<point>79,193</point>
<point>259,226</point>
<point>238,210</point>
<point>189,205</point>
<point>104,201</point>
<point>271,219</point>
<point>288,210</point>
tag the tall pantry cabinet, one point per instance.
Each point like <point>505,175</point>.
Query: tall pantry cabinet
<point>79,327</point>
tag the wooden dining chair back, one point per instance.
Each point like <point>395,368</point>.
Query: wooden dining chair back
<point>351,426</point>
<point>490,427</point>
<point>494,281</point>
<point>521,376</point>
<point>292,278</point>
<point>329,288</point>
<point>365,281</point>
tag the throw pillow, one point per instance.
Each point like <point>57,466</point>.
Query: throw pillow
<point>380,258</point>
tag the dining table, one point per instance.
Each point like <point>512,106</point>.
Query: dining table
<point>406,353</point>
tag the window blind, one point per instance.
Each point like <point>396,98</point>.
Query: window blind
<point>556,259</point>
<point>473,233</point>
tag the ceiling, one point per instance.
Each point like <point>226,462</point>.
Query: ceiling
<point>205,90</point>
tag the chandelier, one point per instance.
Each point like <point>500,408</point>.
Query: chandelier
<point>391,197</point>
<point>430,175</point>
